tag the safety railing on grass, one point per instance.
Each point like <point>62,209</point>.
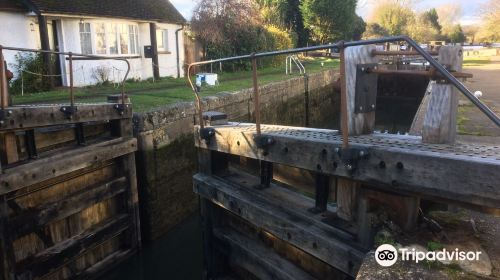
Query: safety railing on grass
<point>70,56</point>
<point>340,47</point>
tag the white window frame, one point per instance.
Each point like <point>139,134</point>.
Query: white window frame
<point>164,47</point>
<point>90,37</point>
<point>107,41</point>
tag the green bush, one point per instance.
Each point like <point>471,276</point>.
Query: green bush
<point>26,64</point>
<point>249,40</point>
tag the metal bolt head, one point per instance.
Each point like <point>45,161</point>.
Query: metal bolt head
<point>269,141</point>
<point>1,122</point>
<point>373,106</point>
<point>361,153</point>
<point>360,107</point>
<point>349,167</point>
<point>9,112</point>
<point>64,109</point>
<point>337,150</point>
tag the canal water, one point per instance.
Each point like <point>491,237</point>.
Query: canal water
<point>177,255</point>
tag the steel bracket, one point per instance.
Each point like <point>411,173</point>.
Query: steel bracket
<point>365,100</point>
<point>69,111</point>
<point>263,141</point>
<point>206,134</point>
<point>351,157</point>
<point>120,108</point>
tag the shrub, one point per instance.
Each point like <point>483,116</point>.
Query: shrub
<point>28,68</point>
<point>101,75</point>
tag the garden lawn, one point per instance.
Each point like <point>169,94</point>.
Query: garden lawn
<point>146,95</point>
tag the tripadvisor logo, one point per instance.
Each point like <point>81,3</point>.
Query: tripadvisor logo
<point>387,255</point>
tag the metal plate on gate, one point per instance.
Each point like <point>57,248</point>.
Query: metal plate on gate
<point>366,89</point>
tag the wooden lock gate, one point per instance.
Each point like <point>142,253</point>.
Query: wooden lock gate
<point>281,202</point>
<point>69,204</point>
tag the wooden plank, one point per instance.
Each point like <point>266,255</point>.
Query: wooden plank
<point>29,219</point>
<point>104,265</point>
<point>47,168</point>
<point>418,121</point>
<point>8,259</point>
<point>346,198</point>
<point>132,199</point>
<point>210,162</point>
<point>362,123</point>
<point>308,263</point>
<point>311,236</point>
<point>262,262</point>
<point>409,167</point>
<point>358,124</point>
<point>9,148</point>
<point>440,124</point>
<point>25,117</point>
<point>71,248</point>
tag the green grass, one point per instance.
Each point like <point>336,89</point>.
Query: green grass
<point>146,95</point>
<point>476,61</point>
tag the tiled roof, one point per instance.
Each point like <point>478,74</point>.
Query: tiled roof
<point>151,10</point>
<point>11,5</point>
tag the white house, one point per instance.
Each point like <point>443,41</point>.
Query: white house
<point>116,28</point>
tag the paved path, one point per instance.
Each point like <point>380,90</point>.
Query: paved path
<point>471,120</point>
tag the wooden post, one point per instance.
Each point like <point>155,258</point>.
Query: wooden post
<point>362,123</point>
<point>209,163</point>
<point>441,116</point>
<point>154,46</point>
<point>358,124</point>
<point>8,141</point>
<point>45,44</point>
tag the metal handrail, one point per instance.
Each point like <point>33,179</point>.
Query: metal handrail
<point>70,55</point>
<point>340,46</point>
<point>289,66</point>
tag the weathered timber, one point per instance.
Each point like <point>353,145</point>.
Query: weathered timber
<point>260,261</point>
<point>362,123</point>
<point>67,250</point>
<point>358,123</point>
<point>312,236</point>
<point>418,121</point>
<point>29,219</point>
<point>396,162</point>
<point>346,198</point>
<point>306,262</point>
<point>46,168</point>
<point>107,263</point>
<point>441,116</point>
<point>24,117</point>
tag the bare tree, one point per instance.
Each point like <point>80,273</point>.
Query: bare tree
<point>490,29</point>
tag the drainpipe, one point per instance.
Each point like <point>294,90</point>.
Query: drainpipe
<point>177,50</point>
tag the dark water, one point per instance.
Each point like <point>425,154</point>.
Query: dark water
<point>177,255</point>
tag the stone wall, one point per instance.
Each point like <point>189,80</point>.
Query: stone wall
<point>166,159</point>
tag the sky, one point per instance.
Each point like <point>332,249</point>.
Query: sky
<point>470,8</point>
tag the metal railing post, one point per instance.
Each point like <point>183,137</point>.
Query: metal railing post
<point>3,78</point>
<point>343,98</point>
<point>71,93</point>
<point>256,95</point>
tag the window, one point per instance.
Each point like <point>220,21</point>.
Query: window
<point>124,39</point>
<point>162,39</point>
<point>100,38</point>
<point>109,38</point>
<point>85,38</point>
<point>112,38</point>
<point>134,39</point>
